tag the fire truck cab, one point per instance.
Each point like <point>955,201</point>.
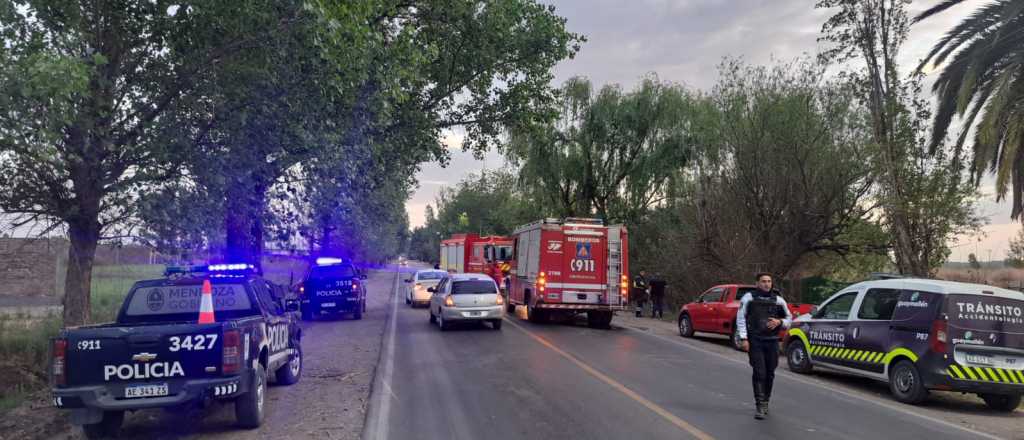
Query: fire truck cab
<point>471,253</point>
<point>570,266</point>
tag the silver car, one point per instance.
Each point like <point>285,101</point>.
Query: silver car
<point>466,297</point>
<point>416,286</point>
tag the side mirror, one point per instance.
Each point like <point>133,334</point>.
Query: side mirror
<point>814,309</point>
<point>431,290</point>
<point>409,280</point>
<point>291,305</point>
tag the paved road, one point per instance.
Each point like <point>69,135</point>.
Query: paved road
<point>559,381</point>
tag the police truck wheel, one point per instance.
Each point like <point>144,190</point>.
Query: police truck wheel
<point>906,384</point>
<point>1001,402</point>
<point>289,373</point>
<point>599,319</point>
<point>249,407</point>
<point>358,314</point>
<point>797,358</point>
<point>536,315</point>
<point>685,326</point>
<point>108,427</point>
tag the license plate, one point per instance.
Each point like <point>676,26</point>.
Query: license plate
<point>145,391</point>
<point>474,313</point>
<point>327,304</point>
<point>979,359</point>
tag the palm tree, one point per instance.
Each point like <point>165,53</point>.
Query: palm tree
<point>982,83</point>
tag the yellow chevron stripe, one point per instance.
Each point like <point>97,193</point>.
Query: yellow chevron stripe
<point>1002,374</point>
<point>1013,377</point>
<point>855,354</point>
<point>829,351</point>
<point>982,374</point>
<point>815,350</point>
<point>845,353</point>
<point>970,373</point>
<point>867,355</point>
<point>956,372</point>
<point>1020,375</point>
<point>878,359</point>
<point>992,374</point>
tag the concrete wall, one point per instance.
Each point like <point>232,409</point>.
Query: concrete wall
<point>29,267</point>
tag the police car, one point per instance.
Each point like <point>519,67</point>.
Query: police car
<point>919,335</point>
<point>333,286</point>
<point>161,353</point>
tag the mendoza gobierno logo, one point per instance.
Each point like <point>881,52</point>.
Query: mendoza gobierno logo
<point>155,300</point>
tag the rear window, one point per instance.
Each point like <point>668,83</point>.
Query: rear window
<point>984,313</point>
<point>335,271</point>
<point>430,275</point>
<point>185,300</point>
<point>473,287</point>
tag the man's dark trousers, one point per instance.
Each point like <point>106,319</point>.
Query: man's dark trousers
<point>764,357</point>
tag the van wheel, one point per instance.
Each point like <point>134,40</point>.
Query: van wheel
<point>797,358</point>
<point>906,384</point>
<point>108,427</point>
<point>685,326</point>
<point>249,407</point>
<point>536,315</point>
<point>358,314</point>
<point>1001,402</point>
<point>289,373</point>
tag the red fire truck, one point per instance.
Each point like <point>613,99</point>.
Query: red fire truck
<point>471,253</point>
<point>570,266</point>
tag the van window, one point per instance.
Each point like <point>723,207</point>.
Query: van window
<point>838,308</point>
<point>879,304</point>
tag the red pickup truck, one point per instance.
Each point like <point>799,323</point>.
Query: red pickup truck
<point>715,312</point>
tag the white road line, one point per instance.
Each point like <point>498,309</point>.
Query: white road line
<point>833,389</point>
<point>379,425</point>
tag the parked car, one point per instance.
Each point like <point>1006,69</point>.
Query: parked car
<point>919,335</point>
<point>715,312</point>
<point>464,297</point>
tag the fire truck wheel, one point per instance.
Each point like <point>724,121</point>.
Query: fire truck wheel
<point>536,315</point>
<point>599,319</point>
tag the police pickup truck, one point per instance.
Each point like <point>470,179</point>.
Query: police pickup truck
<point>158,355</point>
<point>333,286</point>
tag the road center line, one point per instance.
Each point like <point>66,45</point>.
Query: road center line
<point>673,419</point>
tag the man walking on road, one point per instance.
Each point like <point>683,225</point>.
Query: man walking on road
<point>762,314</point>
<point>640,292</point>
<point>657,296</point>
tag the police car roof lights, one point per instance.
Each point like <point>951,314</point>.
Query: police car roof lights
<point>328,261</point>
<point>234,268</point>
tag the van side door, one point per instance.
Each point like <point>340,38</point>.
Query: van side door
<point>869,331</point>
<point>827,333</point>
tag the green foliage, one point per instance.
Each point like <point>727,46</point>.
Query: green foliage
<point>1015,255</point>
<point>980,84</point>
<point>611,153</point>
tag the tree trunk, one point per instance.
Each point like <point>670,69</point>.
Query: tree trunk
<point>243,223</point>
<point>85,235</point>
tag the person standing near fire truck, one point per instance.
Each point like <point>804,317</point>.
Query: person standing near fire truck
<point>640,287</point>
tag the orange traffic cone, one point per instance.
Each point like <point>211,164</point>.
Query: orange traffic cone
<point>206,306</point>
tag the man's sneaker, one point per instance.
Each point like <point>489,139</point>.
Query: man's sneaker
<point>761,411</point>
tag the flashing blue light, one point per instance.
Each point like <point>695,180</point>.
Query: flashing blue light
<point>327,261</point>
<point>229,267</point>
<point>240,267</point>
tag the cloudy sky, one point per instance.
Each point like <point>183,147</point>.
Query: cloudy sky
<point>683,41</point>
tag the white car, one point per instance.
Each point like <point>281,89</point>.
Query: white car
<point>416,286</point>
<point>463,297</point>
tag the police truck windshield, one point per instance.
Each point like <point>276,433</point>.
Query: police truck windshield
<point>166,303</point>
<point>473,287</point>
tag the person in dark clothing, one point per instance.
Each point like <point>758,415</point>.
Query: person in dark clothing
<point>657,297</point>
<point>640,292</point>
<point>762,314</point>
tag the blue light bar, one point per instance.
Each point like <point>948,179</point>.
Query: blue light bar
<point>235,268</point>
<point>327,261</point>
